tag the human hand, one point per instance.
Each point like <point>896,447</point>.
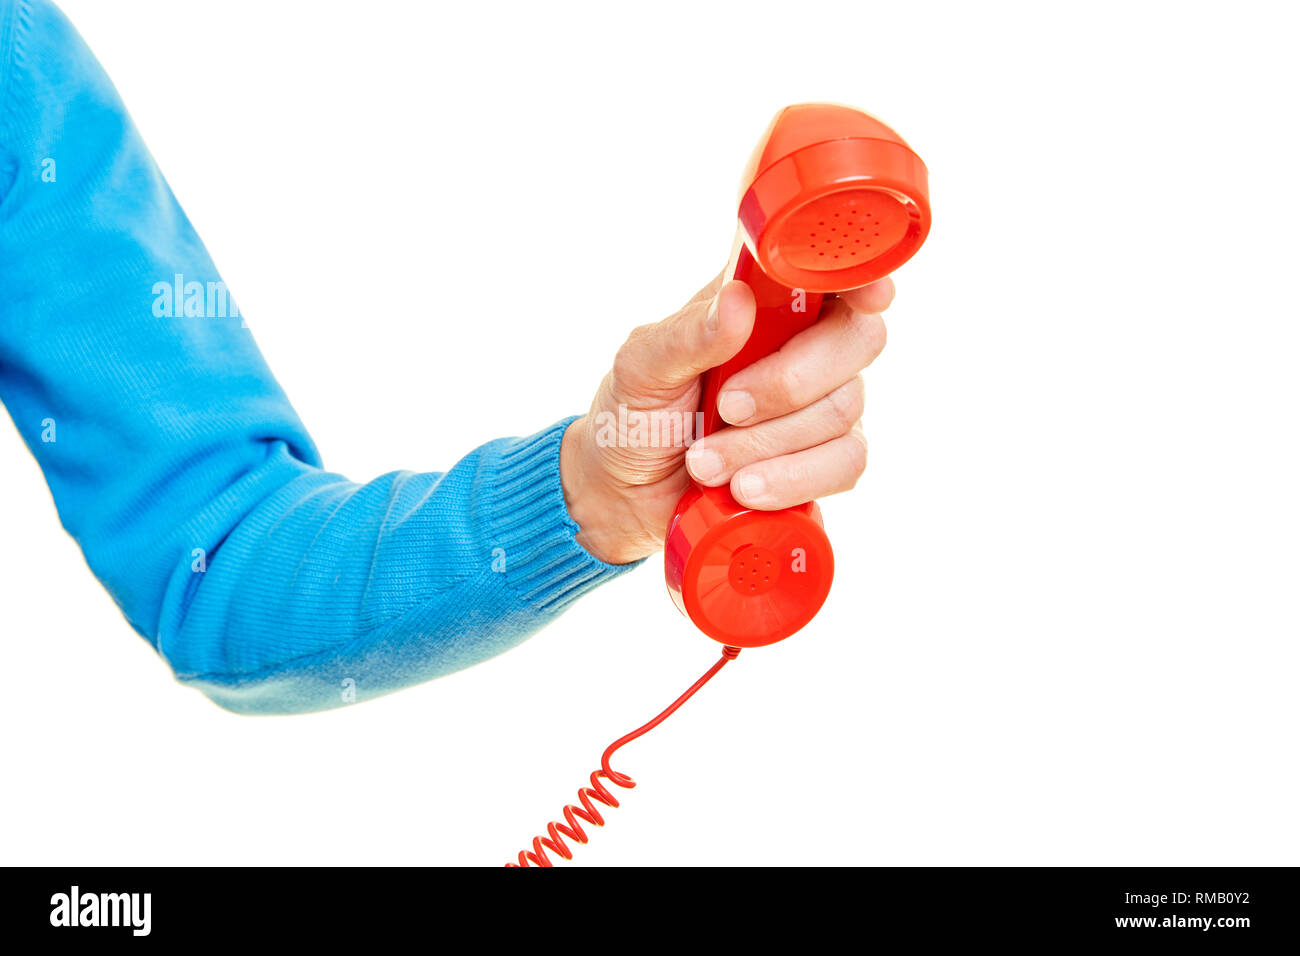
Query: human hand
<point>794,415</point>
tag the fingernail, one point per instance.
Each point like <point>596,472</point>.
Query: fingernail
<point>736,406</point>
<point>703,464</point>
<point>752,488</point>
<point>711,319</point>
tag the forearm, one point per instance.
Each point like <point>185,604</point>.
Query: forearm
<point>329,591</point>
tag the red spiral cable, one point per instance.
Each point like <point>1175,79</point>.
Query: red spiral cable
<point>597,792</point>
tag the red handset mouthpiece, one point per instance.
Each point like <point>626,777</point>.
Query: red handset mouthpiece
<point>832,199</point>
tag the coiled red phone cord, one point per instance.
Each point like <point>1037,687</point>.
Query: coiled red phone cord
<point>597,792</point>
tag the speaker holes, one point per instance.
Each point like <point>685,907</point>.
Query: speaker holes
<point>874,221</point>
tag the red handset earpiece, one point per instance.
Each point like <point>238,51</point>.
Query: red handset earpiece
<point>832,199</point>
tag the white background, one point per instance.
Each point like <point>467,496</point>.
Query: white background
<point>1064,629</point>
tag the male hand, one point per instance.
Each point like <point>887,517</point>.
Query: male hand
<point>794,415</point>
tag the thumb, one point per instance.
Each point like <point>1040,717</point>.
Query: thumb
<point>664,358</point>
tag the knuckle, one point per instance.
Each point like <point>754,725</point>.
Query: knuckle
<point>680,338</point>
<point>789,382</point>
<point>856,449</point>
<point>629,359</point>
<point>867,330</point>
<point>756,443</point>
<point>847,403</point>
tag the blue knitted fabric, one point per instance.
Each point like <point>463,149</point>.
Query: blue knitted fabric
<point>181,469</point>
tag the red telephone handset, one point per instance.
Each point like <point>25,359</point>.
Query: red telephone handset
<point>832,199</point>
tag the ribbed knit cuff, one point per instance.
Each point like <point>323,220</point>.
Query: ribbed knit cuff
<point>531,526</point>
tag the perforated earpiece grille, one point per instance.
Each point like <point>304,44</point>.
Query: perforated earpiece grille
<point>843,229</point>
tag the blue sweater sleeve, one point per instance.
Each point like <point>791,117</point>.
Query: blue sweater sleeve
<point>180,468</point>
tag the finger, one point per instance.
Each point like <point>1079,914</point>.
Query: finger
<point>812,364</point>
<point>714,459</point>
<point>710,290</point>
<point>660,360</point>
<point>791,480</point>
<point>874,297</point>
